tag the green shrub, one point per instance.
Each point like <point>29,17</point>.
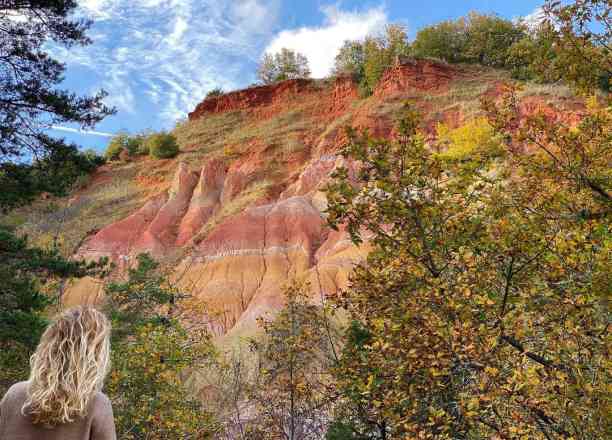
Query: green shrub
<point>92,157</point>
<point>161,145</point>
<point>445,40</point>
<point>117,144</point>
<point>214,93</point>
<point>134,145</point>
<point>350,60</point>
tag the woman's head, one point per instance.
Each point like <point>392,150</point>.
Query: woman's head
<point>69,366</point>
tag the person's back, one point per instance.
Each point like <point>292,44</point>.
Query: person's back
<point>62,400</point>
<point>98,424</point>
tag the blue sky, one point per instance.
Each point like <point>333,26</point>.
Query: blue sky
<point>158,58</point>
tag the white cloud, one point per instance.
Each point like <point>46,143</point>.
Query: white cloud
<point>15,16</point>
<point>320,44</point>
<point>158,58</point>
<point>534,19</point>
<point>77,130</point>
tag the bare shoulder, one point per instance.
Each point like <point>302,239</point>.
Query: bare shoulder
<point>101,403</point>
<point>16,393</point>
<point>18,389</point>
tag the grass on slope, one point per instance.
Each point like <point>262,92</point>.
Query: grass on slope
<point>65,222</point>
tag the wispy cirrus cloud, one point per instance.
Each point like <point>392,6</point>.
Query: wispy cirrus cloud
<point>320,44</point>
<point>80,131</point>
<point>158,58</point>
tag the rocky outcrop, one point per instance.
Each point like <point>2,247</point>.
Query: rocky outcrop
<point>240,268</point>
<point>161,234</point>
<point>251,98</point>
<point>204,201</point>
<point>415,75</point>
<point>117,239</point>
<point>407,74</point>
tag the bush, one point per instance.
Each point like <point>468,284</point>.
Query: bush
<point>215,93</point>
<point>135,145</point>
<point>117,144</point>
<point>92,157</point>
<point>350,60</point>
<point>474,138</point>
<point>161,145</point>
<point>489,39</point>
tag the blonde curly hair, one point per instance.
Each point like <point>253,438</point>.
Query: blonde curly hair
<point>68,367</point>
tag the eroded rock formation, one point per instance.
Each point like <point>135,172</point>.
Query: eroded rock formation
<point>236,262</point>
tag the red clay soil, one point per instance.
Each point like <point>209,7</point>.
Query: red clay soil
<point>416,75</point>
<point>267,100</point>
<point>253,97</point>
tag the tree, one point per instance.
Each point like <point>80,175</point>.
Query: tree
<point>445,40</point>
<point>153,357</point>
<point>476,38</point>
<point>215,93</point>
<point>488,39</point>
<point>482,306</point>
<point>534,49</point>
<point>24,273</point>
<point>366,61</point>
<point>131,144</point>
<point>161,145</point>
<point>29,100</point>
<point>381,53</point>
<point>581,32</point>
<point>55,173</point>
<point>350,60</point>
<point>286,64</point>
<point>116,145</point>
<point>290,395</point>
<point>32,162</point>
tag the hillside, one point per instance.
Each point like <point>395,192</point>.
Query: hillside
<point>240,212</point>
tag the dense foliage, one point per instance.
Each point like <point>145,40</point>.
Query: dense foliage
<point>282,65</point>
<point>483,310</point>
<point>56,174</point>
<point>290,397</point>
<point>580,33</point>
<point>153,355</point>
<point>476,38</point>
<point>25,271</point>
<point>484,304</point>
<point>161,145</point>
<point>574,37</point>
<point>123,142</point>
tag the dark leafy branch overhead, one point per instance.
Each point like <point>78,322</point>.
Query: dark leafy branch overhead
<point>30,98</point>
